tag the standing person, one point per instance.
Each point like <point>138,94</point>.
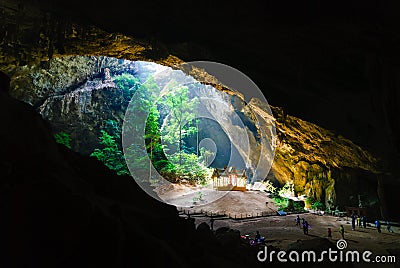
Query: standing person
<point>378,225</point>
<point>364,221</point>
<point>257,237</point>
<point>341,231</point>
<point>389,227</point>
<point>353,221</point>
<point>212,224</point>
<point>358,221</point>
<point>298,221</point>
<point>305,228</point>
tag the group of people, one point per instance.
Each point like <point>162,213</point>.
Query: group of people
<point>361,222</point>
<point>363,219</point>
<point>302,223</point>
<point>388,226</point>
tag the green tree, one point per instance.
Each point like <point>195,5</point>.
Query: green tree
<point>152,137</point>
<point>175,109</point>
<point>127,82</point>
<point>113,128</point>
<point>110,154</point>
<point>281,202</point>
<point>63,138</point>
<point>144,106</point>
<point>179,121</point>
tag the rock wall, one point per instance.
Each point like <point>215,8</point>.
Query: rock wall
<point>30,35</point>
<point>320,163</point>
<point>73,94</point>
<point>64,209</point>
<point>316,160</point>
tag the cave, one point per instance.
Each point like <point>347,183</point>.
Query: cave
<point>332,87</point>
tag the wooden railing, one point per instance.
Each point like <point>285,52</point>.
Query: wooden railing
<point>234,216</point>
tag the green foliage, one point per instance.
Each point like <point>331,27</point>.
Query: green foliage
<point>317,205</point>
<point>167,170</point>
<point>110,154</point>
<point>179,120</point>
<point>191,168</point>
<point>288,205</point>
<point>314,204</point>
<point>144,107</point>
<point>281,202</point>
<point>112,127</point>
<point>63,138</point>
<point>298,206</point>
<point>199,197</point>
<point>181,164</point>
<point>286,190</point>
<point>137,158</point>
<point>152,133</point>
<point>126,82</point>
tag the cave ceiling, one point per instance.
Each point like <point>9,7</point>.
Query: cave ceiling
<point>321,62</point>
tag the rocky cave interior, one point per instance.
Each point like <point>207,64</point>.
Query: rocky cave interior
<point>331,80</point>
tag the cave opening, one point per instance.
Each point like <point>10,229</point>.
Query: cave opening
<point>105,223</point>
<point>85,99</point>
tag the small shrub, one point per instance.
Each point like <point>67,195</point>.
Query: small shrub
<point>64,139</point>
<point>317,205</point>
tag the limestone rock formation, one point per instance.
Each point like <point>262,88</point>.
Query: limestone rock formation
<point>321,164</point>
<point>63,209</point>
<point>73,95</point>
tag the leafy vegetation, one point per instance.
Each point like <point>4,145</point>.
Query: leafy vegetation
<point>282,200</point>
<point>191,168</point>
<point>110,154</point>
<point>183,162</point>
<point>286,190</point>
<point>126,82</point>
<point>179,120</point>
<point>63,138</point>
<point>314,204</point>
<point>298,206</point>
<point>179,124</point>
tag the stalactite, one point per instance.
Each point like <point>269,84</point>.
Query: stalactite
<point>381,196</point>
<point>60,32</point>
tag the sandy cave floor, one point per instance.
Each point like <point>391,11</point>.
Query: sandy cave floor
<point>219,202</point>
<point>280,231</point>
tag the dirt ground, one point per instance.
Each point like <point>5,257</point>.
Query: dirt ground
<point>220,202</point>
<point>280,231</point>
